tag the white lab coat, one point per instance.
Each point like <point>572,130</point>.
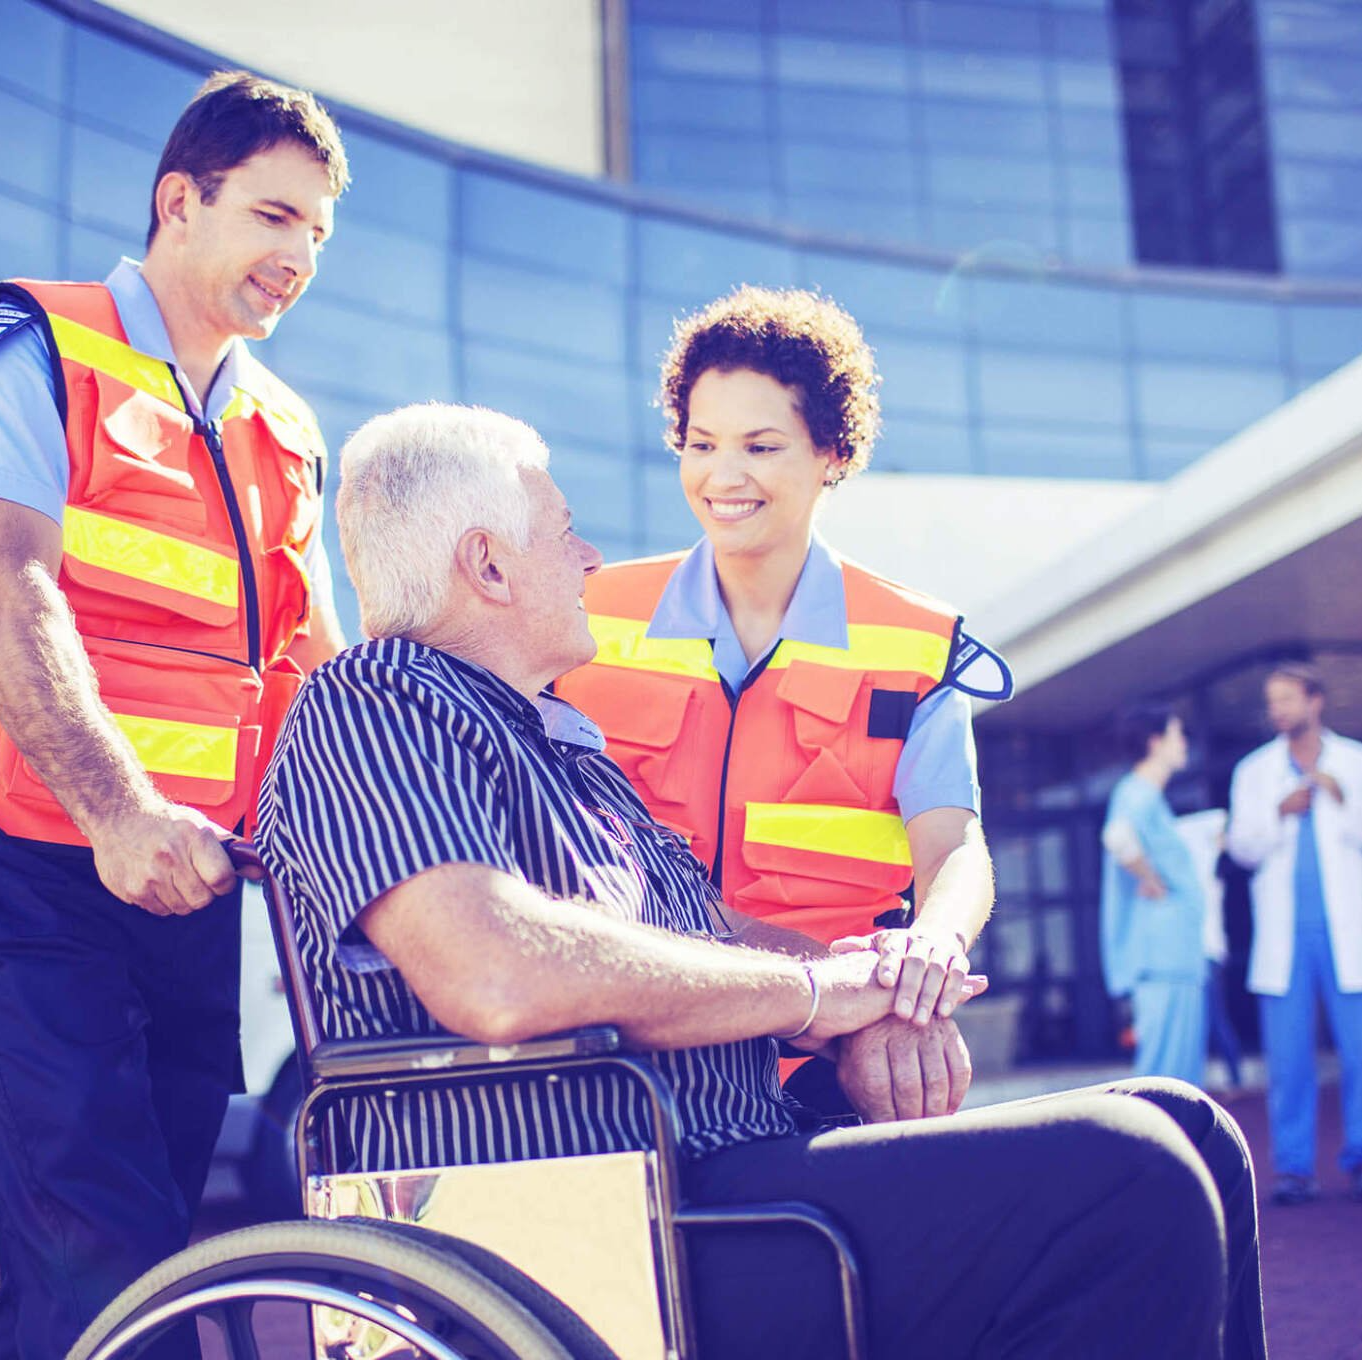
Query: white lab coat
<point>1264,841</point>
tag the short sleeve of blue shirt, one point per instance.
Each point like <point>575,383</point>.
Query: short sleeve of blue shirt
<point>938,766</point>
<point>34,466</point>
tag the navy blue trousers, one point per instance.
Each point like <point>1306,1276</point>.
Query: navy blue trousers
<point>119,1045</point>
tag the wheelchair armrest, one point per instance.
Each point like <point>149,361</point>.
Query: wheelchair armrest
<point>341,1059</point>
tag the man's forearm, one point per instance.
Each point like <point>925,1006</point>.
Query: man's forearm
<point>50,705</point>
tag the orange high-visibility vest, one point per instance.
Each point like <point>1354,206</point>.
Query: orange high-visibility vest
<point>786,789</point>
<point>181,559</point>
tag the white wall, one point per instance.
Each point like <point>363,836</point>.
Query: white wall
<point>519,77</point>
<point>970,540</point>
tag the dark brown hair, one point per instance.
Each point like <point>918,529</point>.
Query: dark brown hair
<point>803,341</point>
<point>236,116</point>
<point>1305,673</point>
<point>1140,725</point>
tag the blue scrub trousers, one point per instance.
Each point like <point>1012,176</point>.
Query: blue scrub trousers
<point>1289,1044</point>
<point>1170,1028</point>
<point>120,1047</point>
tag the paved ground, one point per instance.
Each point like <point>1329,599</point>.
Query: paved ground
<point>1312,1255</point>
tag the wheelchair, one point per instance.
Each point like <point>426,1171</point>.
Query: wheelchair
<point>568,1258</point>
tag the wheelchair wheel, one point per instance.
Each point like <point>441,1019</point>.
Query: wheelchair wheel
<point>433,1296</point>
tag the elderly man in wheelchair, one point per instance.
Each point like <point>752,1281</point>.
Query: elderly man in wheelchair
<point>459,871</point>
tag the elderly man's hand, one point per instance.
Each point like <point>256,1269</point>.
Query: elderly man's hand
<point>896,1070</point>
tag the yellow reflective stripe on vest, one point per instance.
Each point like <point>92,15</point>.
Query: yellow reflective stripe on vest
<point>624,643</point>
<point>146,555</point>
<point>194,749</point>
<point>874,647</point>
<point>243,405</point>
<point>82,345</point>
<point>829,830</point>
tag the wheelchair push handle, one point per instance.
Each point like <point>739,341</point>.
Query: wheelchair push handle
<point>245,858</point>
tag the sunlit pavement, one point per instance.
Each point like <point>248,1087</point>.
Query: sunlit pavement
<point>1312,1254</point>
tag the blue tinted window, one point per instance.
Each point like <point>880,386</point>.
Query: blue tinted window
<point>855,65</point>
<point>1314,78</point>
<point>1052,387</point>
<point>808,166</point>
<point>386,272</point>
<point>913,443</point>
<point>92,254</point>
<point>1330,27</point>
<point>1211,397</point>
<point>1322,246</point>
<point>971,75</point>
<point>738,12</point>
<point>1095,187</point>
<point>542,311</point>
<point>865,19</point>
<point>138,93</point>
<point>28,241</point>
<point>856,216</point>
<point>33,49</point>
<point>1322,336</point>
<point>396,187</point>
<point>948,23</point>
<point>680,159</point>
<point>663,50</point>
<point>977,180</point>
<point>1313,132</point>
<point>598,485</point>
<point>888,298</point>
<point>649,426</point>
<point>923,378</point>
<point>1012,235</point>
<point>540,226</point>
<point>969,125</point>
<point>1167,453</point>
<point>668,520</point>
<point>561,399</point>
<point>1055,450</point>
<point>1098,240</point>
<point>652,333</point>
<point>1083,35</point>
<point>693,263</point>
<point>1331,189</point>
<point>742,204</point>
<point>715,105</point>
<point>1207,327</point>
<point>111,180</point>
<point>1094,134</point>
<point>326,348</point>
<point>845,115</point>
<point>32,145</point>
<point>1086,84</point>
<point>1030,311</point>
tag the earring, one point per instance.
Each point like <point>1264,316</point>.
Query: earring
<point>838,479</point>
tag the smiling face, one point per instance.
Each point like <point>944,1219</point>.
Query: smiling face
<point>550,577</point>
<point>248,255</point>
<point>749,468</point>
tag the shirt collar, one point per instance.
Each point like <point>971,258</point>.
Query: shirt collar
<point>692,607</point>
<point>145,328</point>
<point>555,717</point>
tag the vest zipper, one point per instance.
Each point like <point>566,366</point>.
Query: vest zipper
<point>213,438</point>
<point>716,874</point>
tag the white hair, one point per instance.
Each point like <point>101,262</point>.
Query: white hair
<point>413,482</point>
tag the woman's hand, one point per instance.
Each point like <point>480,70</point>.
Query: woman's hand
<point>928,969</point>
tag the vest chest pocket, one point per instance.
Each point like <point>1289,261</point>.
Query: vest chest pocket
<point>142,462</point>
<point>650,735</point>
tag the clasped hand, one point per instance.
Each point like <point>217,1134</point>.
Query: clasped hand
<point>929,972</point>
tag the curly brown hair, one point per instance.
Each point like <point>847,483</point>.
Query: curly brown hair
<point>802,340</point>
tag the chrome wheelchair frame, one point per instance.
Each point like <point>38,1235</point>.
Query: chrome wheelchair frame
<point>392,1275</point>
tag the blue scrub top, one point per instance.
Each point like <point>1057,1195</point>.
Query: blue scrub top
<point>1145,938</point>
<point>937,767</point>
<point>35,465</point>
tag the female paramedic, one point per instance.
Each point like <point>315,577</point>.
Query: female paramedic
<point>800,720</point>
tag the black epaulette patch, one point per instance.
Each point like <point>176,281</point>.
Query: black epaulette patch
<point>12,316</point>
<point>891,713</point>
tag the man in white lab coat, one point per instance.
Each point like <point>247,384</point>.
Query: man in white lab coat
<point>1296,821</point>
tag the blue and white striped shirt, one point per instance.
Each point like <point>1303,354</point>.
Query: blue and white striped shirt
<point>397,757</point>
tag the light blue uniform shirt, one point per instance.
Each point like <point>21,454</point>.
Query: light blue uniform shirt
<point>937,768</point>
<point>35,465</point>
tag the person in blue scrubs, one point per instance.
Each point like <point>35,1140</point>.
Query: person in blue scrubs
<point>1152,905</point>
